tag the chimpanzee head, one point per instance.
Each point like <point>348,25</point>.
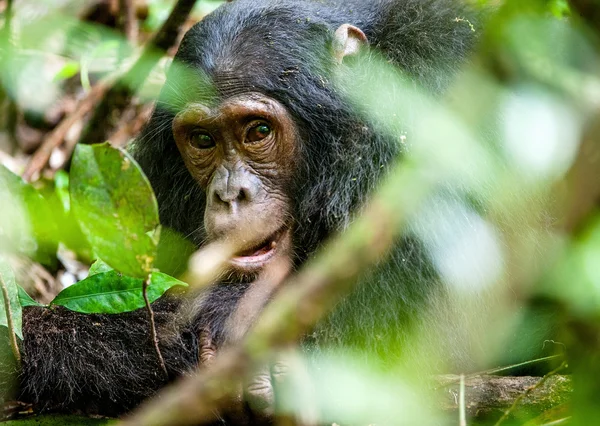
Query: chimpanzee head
<point>251,140</point>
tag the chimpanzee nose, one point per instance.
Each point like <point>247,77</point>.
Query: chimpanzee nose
<point>232,187</point>
<point>231,195</point>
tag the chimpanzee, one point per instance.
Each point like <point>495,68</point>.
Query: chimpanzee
<point>253,136</point>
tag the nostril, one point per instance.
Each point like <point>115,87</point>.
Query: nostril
<point>244,195</point>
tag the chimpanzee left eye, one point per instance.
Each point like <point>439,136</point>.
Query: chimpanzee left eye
<point>258,132</point>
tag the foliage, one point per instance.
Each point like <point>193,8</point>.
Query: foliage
<point>115,207</point>
<point>112,293</point>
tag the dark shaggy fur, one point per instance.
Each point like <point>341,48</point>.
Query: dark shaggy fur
<point>282,49</point>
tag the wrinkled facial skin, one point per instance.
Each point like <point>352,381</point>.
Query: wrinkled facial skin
<point>242,153</point>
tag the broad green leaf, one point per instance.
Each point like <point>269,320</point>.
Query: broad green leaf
<point>99,267</point>
<point>27,224</point>
<point>115,207</point>
<point>113,293</point>
<point>8,277</point>
<point>25,299</point>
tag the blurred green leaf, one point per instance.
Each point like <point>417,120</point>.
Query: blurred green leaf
<point>115,207</point>
<point>8,277</point>
<point>69,70</point>
<point>27,223</point>
<point>61,187</point>
<point>174,252</point>
<point>576,279</point>
<point>112,293</point>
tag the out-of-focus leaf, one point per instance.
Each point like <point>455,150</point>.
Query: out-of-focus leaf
<point>576,279</point>
<point>27,224</point>
<point>112,293</point>
<point>13,294</point>
<point>61,187</point>
<point>174,252</point>
<point>25,299</point>
<point>115,207</point>
<point>70,69</point>
<point>98,267</point>
<point>56,193</point>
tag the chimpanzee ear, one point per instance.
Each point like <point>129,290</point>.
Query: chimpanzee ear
<point>348,41</point>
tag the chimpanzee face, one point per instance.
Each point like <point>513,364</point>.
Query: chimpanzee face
<point>243,154</point>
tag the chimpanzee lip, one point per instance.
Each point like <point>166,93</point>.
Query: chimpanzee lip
<point>259,254</point>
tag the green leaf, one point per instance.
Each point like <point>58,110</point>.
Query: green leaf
<point>8,277</point>
<point>27,224</point>
<point>115,207</point>
<point>25,299</point>
<point>99,267</point>
<point>174,252</point>
<point>61,187</point>
<point>113,293</point>
<point>70,69</point>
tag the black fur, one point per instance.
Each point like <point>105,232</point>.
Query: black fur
<point>282,49</point>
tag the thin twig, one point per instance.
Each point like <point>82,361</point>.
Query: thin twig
<point>11,326</point>
<point>129,19</point>
<point>153,334</point>
<point>528,392</point>
<point>462,412</point>
<point>497,370</point>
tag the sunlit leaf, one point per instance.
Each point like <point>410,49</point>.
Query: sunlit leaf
<point>112,293</point>
<point>115,207</point>
<point>68,70</point>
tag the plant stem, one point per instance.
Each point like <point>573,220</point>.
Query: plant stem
<point>9,320</point>
<point>153,334</point>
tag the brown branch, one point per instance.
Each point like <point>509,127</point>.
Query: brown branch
<point>118,97</point>
<point>40,159</point>
<point>9,321</point>
<point>129,19</point>
<point>488,396</point>
<point>528,392</point>
<point>153,334</point>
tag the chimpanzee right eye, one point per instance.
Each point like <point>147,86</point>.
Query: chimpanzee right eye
<point>201,139</point>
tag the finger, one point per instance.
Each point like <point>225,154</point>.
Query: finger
<point>259,392</point>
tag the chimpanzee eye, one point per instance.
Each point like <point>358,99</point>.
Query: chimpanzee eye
<point>258,132</point>
<point>201,140</point>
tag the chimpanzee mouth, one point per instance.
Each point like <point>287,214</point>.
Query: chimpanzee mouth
<point>259,254</point>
